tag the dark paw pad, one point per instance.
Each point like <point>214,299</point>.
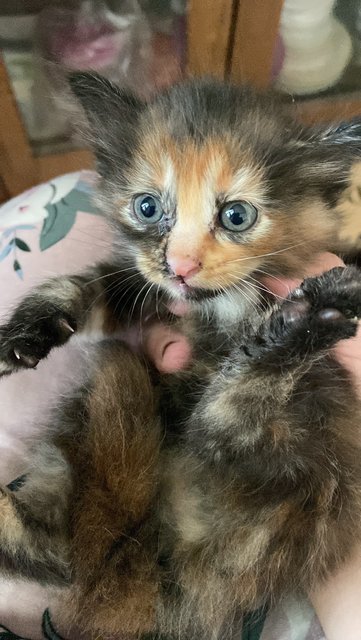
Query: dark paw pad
<point>331,315</point>
<point>295,311</point>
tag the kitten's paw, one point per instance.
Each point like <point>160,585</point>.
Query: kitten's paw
<point>31,333</point>
<point>322,311</point>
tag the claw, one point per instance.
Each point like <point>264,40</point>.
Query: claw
<point>29,361</point>
<point>66,327</point>
<point>298,293</point>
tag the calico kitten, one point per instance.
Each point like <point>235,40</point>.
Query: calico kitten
<point>165,505</point>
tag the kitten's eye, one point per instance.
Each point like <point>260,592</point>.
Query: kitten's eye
<point>148,208</point>
<point>238,216</point>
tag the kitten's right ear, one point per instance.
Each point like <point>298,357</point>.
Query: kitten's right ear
<point>112,116</point>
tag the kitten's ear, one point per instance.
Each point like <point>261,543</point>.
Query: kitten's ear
<point>344,133</point>
<point>112,116</point>
<point>340,146</point>
<point>340,150</point>
<point>321,158</point>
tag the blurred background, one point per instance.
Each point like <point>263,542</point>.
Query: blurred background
<point>308,50</point>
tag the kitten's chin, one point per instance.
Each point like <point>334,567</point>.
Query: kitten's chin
<point>185,298</point>
<point>194,297</point>
<point>186,293</point>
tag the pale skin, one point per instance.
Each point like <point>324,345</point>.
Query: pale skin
<point>337,602</point>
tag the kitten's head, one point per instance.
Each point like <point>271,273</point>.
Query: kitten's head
<point>212,185</point>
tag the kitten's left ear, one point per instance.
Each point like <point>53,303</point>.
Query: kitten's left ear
<point>342,143</point>
<point>112,115</point>
<point>324,156</point>
<point>344,133</point>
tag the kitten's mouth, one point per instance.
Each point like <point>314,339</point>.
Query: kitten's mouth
<point>187,293</point>
<point>190,293</point>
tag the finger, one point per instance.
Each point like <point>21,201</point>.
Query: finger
<point>283,286</point>
<point>169,350</point>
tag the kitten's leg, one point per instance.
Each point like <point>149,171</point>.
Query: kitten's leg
<point>50,314</point>
<point>34,541</point>
<point>115,540</point>
<point>261,374</point>
<point>278,429</point>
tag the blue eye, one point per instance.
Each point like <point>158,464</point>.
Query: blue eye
<point>238,216</point>
<point>148,208</point>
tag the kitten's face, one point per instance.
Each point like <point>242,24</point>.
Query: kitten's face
<point>212,186</point>
<point>202,220</point>
<point>200,213</point>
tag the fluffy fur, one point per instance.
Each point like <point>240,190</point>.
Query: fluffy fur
<point>167,505</point>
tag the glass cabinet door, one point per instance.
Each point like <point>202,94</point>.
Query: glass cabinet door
<point>139,44</point>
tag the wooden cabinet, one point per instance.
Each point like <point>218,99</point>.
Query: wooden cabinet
<point>232,39</point>
<point>237,40</point>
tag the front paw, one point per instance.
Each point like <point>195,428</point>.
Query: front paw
<point>322,311</point>
<point>33,330</point>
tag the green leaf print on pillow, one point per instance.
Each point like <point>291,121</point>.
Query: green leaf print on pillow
<point>21,244</point>
<point>48,630</point>
<point>62,216</point>
<point>253,624</point>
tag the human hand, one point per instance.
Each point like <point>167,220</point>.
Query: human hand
<point>168,349</point>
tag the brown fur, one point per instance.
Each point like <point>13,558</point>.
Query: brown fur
<point>116,477</point>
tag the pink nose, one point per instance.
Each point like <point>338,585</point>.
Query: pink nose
<point>184,267</point>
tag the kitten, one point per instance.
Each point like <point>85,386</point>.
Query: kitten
<point>165,505</point>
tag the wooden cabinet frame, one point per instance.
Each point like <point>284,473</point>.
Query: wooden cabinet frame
<point>233,39</point>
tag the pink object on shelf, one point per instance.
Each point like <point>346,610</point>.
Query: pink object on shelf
<point>83,40</point>
<point>278,58</point>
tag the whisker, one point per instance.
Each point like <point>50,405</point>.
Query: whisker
<point>271,275</point>
<point>247,297</point>
<point>250,286</point>
<point>110,287</point>
<point>135,303</point>
<point>265,255</point>
<point>112,273</point>
<point>263,287</point>
<point>126,290</point>
<point>152,284</point>
<point>157,301</point>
